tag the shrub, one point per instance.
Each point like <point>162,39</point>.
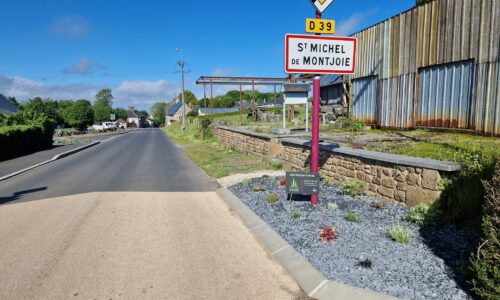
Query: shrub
<point>400,233</point>
<point>205,123</point>
<point>271,198</point>
<point>19,139</point>
<point>259,188</point>
<point>353,187</point>
<point>192,114</point>
<point>328,234</point>
<point>378,203</point>
<point>296,214</point>
<point>246,182</point>
<point>352,217</point>
<point>424,214</point>
<point>486,262</point>
<point>333,206</point>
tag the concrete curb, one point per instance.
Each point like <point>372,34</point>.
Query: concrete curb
<point>56,157</point>
<point>308,277</point>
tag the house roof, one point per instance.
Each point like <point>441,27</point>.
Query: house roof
<point>134,113</point>
<point>120,120</point>
<point>173,109</point>
<point>330,79</point>
<point>6,107</point>
<point>218,110</point>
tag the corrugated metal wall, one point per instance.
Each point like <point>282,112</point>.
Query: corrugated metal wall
<point>364,99</point>
<point>440,32</point>
<point>331,94</point>
<point>445,95</point>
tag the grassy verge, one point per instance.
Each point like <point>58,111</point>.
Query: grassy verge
<point>212,157</point>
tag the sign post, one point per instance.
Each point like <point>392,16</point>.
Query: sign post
<point>315,54</point>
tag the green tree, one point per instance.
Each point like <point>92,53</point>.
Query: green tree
<point>14,101</point>
<point>120,113</point>
<point>189,97</point>
<point>102,105</point>
<point>80,114</point>
<point>158,110</point>
<point>144,112</point>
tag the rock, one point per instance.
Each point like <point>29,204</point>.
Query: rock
<point>430,179</point>
<point>387,172</point>
<point>385,192</point>
<point>400,196</point>
<point>401,186</point>
<point>388,182</point>
<point>416,195</point>
<point>413,179</point>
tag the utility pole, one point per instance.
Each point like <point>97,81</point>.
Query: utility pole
<point>181,64</point>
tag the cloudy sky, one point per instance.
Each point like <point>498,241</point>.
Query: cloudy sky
<point>69,49</point>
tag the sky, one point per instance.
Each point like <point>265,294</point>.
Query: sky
<point>69,49</point>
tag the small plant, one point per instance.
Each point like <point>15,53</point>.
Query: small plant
<point>378,203</point>
<point>333,206</point>
<point>328,234</point>
<point>282,181</point>
<point>353,187</point>
<point>272,198</point>
<point>296,214</point>
<point>352,217</point>
<point>366,264</point>
<point>259,188</point>
<point>399,233</point>
<point>258,130</point>
<point>424,214</point>
<point>246,182</point>
<point>265,176</point>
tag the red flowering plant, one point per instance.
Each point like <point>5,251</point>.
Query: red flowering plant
<point>328,234</point>
<point>281,181</point>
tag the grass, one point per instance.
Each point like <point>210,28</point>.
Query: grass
<point>296,214</point>
<point>399,234</point>
<point>212,157</point>
<point>352,217</point>
<point>353,187</point>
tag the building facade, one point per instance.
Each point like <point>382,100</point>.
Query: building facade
<point>436,65</point>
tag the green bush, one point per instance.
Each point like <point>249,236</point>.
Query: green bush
<point>486,262</point>
<point>272,198</point>
<point>424,214</point>
<point>259,188</point>
<point>352,217</point>
<point>400,234</point>
<point>246,182</point>
<point>353,187</point>
<point>19,139</point>
<point>296,214</point>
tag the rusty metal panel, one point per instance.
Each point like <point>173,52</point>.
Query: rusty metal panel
<point>445,95</point>
<point>364,95</point>
<point>396,101</point>
<point>487,98</point>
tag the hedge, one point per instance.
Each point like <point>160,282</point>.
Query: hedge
<point>21,139</point>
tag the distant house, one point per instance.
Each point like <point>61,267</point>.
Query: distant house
<point>6,107</point>
<point>136,117</point>
<point>121,123</point>
<point>174,113</point>
<point>216,110</point>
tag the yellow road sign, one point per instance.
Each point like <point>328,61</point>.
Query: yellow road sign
<point>320,26</point>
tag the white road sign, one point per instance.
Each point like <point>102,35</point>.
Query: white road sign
<point>321,5</point>
<point>313,54</point>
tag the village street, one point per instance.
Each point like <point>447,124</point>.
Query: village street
<point>130,218</point>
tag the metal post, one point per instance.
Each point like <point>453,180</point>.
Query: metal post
<point>307,117</point>
<point>275,94</point>
<point>241,105</point>
<point>212,97</point>
<point>181,63</point>
<point>253,99</point>
<point>204,96</point>
<point>315,128</point>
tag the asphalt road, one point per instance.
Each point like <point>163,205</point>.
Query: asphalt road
<point>132,218</point>
<point>142,160</point>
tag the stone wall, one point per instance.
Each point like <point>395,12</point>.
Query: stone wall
<point>403,179</point>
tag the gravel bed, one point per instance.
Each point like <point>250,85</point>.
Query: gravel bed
<point>426,268</point>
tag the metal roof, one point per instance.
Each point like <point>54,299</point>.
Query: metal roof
<point>217,110</point>
<point>330,79</point>
<point>173,109</point>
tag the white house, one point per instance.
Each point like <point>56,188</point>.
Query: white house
<point>136,117</point>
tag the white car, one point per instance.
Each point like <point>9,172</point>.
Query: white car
<point>103,126</point>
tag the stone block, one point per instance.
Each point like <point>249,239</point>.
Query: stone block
<point>400,196</point>
<point>376,181</point>
<point>389,182</point>
<point>372,187</point>
<point>385,192</point>
<point>400,176</point>
<point>416,195</point>
<point>360,175</point>
<point>413,179</point>
<point>430,179</point>
<point>401,186</point>
<point>387,172</point>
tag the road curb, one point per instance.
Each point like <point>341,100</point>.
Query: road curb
<point>56,157</point>
<point>308,277</point>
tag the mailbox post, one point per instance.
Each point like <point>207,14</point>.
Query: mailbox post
<point>296,94</point>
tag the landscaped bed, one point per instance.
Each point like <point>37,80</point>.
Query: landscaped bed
<point>363,254</point>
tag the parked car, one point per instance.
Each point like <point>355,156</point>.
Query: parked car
<point>104,126</point>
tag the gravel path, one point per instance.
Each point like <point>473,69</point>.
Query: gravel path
<point>427,268</point>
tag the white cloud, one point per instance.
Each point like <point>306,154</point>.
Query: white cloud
<point>141,94</point>
<point>225,71</point>
<point>71,26</point>
<point>85,66</point>
<point>352,24</point>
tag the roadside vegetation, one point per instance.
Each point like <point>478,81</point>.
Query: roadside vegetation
<point>203,148</point>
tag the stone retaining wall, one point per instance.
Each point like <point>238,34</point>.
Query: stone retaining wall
<point>403,179</point>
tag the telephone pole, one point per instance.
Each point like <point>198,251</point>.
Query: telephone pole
<point>181,64</point>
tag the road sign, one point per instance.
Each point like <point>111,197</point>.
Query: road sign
<point>302,183</point>
<point>321,5</point>
<point>313,54</point>
<point>320,26</point>
<point>112,117</point>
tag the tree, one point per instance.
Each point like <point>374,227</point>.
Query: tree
<point>14,101</point>
<point>80,114</point>
<point>102,105</point>
<point>189,97</point>
<point>120,113</point>
<point>144,112</point>
<point>158,110</point>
